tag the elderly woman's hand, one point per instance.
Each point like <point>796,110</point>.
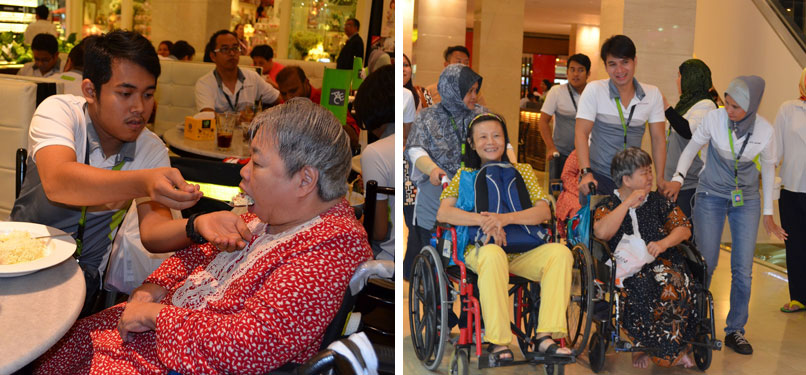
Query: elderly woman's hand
<point>636,198</point>
<point>655,248</point>
<point>138,317</point>
<point>148,293</point>
<point>224,229</point>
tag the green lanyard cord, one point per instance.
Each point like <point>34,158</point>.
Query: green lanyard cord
<point>624,125</point>
<point>733,153</point>
<point>462,142</point>
<point>117,218</point>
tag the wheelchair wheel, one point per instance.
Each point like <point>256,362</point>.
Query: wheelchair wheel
<point>428,319</point>
<point>702,353</point>
<point>528,306</point>
<point>596,354</point>
<point>460,363</point>
<point>554,369</point>
<point>580,310</point>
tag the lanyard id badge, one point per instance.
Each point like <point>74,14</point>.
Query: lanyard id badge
<point>736,197</point>
<point>624,125</point>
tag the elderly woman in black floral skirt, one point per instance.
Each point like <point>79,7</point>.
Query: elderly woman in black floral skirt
<point>658,300</point>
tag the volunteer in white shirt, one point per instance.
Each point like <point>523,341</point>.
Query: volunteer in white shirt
<point>41,26</point>
<point>613,112</point>
<point>45,49</point>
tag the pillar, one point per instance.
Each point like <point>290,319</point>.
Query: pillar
<point>200,19</point>
<point>440,24</point>
<point>497,27</point>
<point>127,14</point>
<point>584,39</point>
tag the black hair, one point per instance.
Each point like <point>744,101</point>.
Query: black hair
<point>471,157</point>
<point>76,55</point>
<point>264,50</point>
<point>42,12</point>
<point>286,72</point>
<point>580,59</point>
<point>182,49</point>
<point>45,42</point>
<point>410,85</point>
<point>530,95</point>
<point>618,46</point>
<point>169,43</point>
<point>450,50</point>
<point>626,162</point>
<point>102,51</point>
<point>355,21</point>
<point>211,44</point>
<point>375,101</point>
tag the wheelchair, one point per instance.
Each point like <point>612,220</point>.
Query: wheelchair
<point>606,315</point>
<point>435,286</point>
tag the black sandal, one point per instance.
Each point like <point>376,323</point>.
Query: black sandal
<point>496,356</point>
<point>551,349</point>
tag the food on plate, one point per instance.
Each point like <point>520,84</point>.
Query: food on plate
<point>242,199</point>
<point>19,247</point>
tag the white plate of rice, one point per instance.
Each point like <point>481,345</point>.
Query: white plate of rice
<point>20,254</point>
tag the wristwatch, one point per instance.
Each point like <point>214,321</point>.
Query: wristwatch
<point>191,232</point>
<point>585,171</point>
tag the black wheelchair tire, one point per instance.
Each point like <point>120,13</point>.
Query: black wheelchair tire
<point>596,354</point>
<point>460,363</point>
<point>703,353</point>
<point>579,314</point>
<point>429,331</point>
<point>531,300</point>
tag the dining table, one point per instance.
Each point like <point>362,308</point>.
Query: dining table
<point>36,310</point>
<point>176,140</point>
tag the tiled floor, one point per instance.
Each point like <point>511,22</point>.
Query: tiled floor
<point>777,338</point>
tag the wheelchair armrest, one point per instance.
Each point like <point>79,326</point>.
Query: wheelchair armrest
<point>600,250</point>
<point>321,363</point>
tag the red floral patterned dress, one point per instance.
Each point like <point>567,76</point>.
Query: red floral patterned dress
<point>242,312</point>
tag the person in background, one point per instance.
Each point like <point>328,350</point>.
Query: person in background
<point>613,113</point>
<point>210,310</point>
<point>45,49</point>
<point>183,51</point>
<point>568,200</point>
<point>263,56</point>
<point>375,108</point>
<point>89,156</point>
<point>40,26</point>
<point>165,50</point>
<point>693,83</point>
<point>293,83</point>
<point>545,86</point>
<point>729,186</point>
<point>452,55</point>
<point>239,32</point>
<point>420,100</point>
<point>229,88</point>
<point>354,47</point>
<point>790,147</point>
<point>73,73</point>
<point>561,105</point>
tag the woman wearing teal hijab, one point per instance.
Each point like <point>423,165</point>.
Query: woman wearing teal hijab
<point>693,83</point>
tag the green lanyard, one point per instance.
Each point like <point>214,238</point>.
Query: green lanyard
<point>117,217</point>
<point>736,158</point>
<point>624,125</point>
<point>456,130</point>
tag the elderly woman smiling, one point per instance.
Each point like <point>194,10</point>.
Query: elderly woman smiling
<point>249,311</point>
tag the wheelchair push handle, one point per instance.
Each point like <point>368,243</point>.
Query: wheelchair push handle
<point>444,180</point>
<point>591,188</point>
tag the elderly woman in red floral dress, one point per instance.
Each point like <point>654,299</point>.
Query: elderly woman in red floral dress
<point>212,308</point>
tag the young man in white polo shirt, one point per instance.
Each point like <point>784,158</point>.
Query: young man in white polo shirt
<point>613,113</point>
<point>228,88</point>
<point>561,105</point>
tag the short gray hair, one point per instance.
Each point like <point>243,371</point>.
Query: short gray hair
<point>626,162</point>
<point>304,133</point>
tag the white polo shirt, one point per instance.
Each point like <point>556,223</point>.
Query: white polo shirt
<point>249,87</point>
<point>790,142</point>
<point>597,104</point>
<point>409,110</point>
<point>561,102</point>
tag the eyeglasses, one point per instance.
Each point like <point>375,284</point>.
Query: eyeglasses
<point>228,50</point>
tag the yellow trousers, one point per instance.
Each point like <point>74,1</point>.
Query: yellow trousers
<point>550,264</point>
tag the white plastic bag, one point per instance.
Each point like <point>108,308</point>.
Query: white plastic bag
<point>631,253</point>
<point>129,262</point>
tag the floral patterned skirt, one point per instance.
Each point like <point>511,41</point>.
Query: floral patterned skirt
<point>658,307</point>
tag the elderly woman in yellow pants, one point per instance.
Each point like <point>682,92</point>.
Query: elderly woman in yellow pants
<point>550,264</point>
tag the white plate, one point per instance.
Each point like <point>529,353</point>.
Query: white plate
<point>57,249</point>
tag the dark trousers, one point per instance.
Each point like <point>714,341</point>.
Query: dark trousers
<point>793,209</point>
<point>685,199</point>
<point>556,166</point>
<point>605,185</point>
<point>418,238</point>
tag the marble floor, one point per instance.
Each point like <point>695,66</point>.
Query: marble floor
<point>777,338</point>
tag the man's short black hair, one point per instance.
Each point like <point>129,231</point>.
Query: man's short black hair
<point>290,70</point>
<point>42,12</point>
<point>211,44</point>
<point>355,21</point>
<point>103,50</point>
<point>375,101</point>
<point>580,59</point>
<point>76,55</point>
<point>618,46</point>
<point>450,50</point>
<point>264,50</point>
<point>168,43</point>
<point>45,42</point>
<point>182,49</point>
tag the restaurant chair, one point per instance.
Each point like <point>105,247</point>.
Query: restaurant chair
<point>370,201</point>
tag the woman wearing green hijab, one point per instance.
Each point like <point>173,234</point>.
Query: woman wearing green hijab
<point>693,83</point>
